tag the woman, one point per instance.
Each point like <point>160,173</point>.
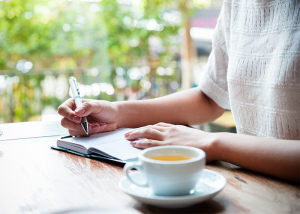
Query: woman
<point>254,70</point>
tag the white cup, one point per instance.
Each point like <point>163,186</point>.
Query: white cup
<point>169,177</point>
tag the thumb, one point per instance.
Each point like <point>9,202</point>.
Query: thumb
<point>88,108</point>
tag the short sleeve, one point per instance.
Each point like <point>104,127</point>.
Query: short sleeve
<point>213,81</point>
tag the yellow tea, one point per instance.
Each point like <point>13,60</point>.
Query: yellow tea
<point>171,158</point>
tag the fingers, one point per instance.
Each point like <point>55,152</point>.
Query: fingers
<point>155,135</point>
<point>164,124</point>
<point>145,143</point>
<point>145,127</point>
<point>76,129</point>
<point>87,108</point>
<point>147,132</point>
<point>66,123</point>
<point>93,129</point>
<point>77,133</point>
<point>66,110</point>
<point>159,128</point>
<point>150,131</point>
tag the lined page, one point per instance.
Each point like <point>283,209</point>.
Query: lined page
<point>112,143</point>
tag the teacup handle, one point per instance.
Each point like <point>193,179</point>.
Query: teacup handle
<point>130,166</point>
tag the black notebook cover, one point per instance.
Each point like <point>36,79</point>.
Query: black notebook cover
<point>92,156</point>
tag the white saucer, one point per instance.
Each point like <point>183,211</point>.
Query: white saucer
<point>210,184</point>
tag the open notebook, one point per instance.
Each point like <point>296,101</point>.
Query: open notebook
<point>112,145</point>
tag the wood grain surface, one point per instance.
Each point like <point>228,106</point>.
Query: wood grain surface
<point>37,179</point>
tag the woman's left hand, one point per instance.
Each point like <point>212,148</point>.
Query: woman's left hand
<point>163,134</point>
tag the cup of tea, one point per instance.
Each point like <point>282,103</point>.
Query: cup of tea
<point>169,170</point>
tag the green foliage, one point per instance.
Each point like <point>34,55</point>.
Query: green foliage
<point>70,37</point>
<point>34,30</point>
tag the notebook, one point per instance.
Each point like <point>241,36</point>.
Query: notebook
<point>110,145</point>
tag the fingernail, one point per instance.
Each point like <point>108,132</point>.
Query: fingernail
<point>80,110</point>
<point>102,126</point>
<point>132,143</point>
<point>95,128</point>
<point>76,119</point>
<point>127,134</point>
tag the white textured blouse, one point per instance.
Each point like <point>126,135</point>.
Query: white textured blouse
<point>254,66</point>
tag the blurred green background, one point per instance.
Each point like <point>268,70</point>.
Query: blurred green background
<point>117,50</point>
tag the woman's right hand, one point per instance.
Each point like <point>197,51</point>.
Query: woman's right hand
<point>101,115</point>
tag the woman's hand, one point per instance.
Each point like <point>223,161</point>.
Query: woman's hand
<point>101,115</point>
<point>162,134</point>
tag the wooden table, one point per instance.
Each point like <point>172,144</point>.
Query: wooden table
<point>37,179</point>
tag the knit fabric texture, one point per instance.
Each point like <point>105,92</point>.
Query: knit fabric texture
<point>254,66</point>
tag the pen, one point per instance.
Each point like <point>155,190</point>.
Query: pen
<point>76,95</point>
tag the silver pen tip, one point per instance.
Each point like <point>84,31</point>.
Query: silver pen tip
<point>85,127</point>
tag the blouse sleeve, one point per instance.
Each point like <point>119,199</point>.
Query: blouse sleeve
<point>213,81</point>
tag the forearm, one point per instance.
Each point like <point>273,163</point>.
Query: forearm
<point>280,158</point>
<point>187,107</point>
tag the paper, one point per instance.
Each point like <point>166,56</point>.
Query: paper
<point>112,143</point>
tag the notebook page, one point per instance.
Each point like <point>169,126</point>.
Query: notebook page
<point>99,139</point>
<point>112,143</point>
<point>120,149</point>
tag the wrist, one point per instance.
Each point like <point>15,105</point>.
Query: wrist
<point>119,108</point>
<point>215,146</point>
